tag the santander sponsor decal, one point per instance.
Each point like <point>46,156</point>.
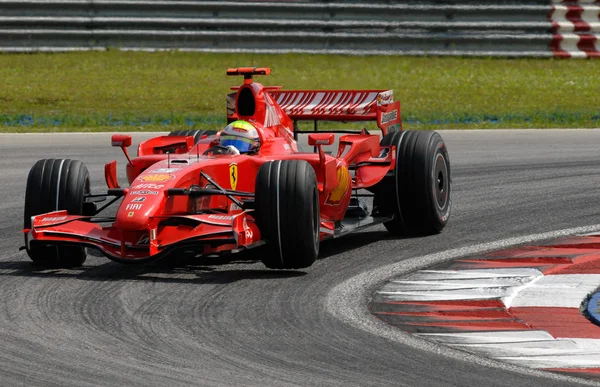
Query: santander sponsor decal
<point>389,117</point>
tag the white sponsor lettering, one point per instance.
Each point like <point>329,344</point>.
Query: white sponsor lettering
<point>247,230</point>
<point>134,206</point>
<point>144,193</point>
<point>385,97</point>
<point>148,186</point>
<point>389,117</point>
<point>219,217</point>
<point>322,142</point>
<point>165,170</point>
<point>54,219</point>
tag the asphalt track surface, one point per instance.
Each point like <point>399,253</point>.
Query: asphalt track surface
<point>237,323</point>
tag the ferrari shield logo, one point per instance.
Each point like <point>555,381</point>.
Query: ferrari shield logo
<point>233,175</point>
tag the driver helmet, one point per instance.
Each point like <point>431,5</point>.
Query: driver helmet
<point>242,135</point>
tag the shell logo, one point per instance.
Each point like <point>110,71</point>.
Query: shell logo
<point>157,177</point>
<point>338,192</point>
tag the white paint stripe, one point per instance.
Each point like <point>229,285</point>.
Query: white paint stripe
<point>325,230</point>
<point>433,285</point>
<point>485,337</point>
<point>348,301</point>
<point>444,296</point>
<point>58,195</point>
<point>316,101</point>
<point>278,215</point>
<point>58,185</point>
<point>518,287</point>
<point>481,273</point>
<point>396,174</point>
<point>581,2</point>
<point>559,291</point>
<point>590,14</point>
<point>569,44</point>
<point>448,285</point>
<point>328,109</point>
<point>362,107</point>
<point>559,16</point>
<point>591,360</point>
<point>565,26</point>
<point>536,349</point>
<point>552,347</point>
<point>509,300</point>
<point>589,234</point>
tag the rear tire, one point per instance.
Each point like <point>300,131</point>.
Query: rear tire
<point>288,213</point>
<point>56,184</point>
<point>419,193</point>
<point>197,134</point>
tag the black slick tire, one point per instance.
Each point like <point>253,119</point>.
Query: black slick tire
<point>56,184</point>
<point>288,214</point>
<point>197,134</point>
<point>419,192</point>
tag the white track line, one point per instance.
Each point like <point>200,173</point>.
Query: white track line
<point>348,301</point>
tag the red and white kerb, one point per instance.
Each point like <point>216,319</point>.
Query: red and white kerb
<point>575,29</point>
<point>519,305</point>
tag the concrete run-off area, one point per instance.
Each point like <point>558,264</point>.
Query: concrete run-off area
<point>534,306</point>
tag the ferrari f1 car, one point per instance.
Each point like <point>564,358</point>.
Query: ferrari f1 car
<point>187,194</point>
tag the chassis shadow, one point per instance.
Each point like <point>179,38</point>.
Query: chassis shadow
<point>185,268</point>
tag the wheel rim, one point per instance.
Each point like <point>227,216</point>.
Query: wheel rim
<point>440,181</point>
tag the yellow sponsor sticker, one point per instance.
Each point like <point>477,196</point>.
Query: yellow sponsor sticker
<point>338,192</point>
<point>233,175</point>
<point>157,177</point>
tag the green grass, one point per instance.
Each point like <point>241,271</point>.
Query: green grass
<point>170,90</point>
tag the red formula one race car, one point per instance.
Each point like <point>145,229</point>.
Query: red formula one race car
<point>247,186</point>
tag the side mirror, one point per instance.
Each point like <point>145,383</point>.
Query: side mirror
<point>316,139</point>
<point>121,140</point>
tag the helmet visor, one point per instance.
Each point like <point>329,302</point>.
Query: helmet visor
<point>244,145</point>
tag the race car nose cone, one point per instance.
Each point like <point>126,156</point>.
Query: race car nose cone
<point>137,207</point>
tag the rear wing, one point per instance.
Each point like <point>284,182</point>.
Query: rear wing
<point>275,106</point>
<point>338,105</point>
<point>342,105</point>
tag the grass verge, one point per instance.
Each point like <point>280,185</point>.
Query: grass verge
<point>131,91</point>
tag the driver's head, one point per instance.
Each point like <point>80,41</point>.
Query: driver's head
<point>242,135</point>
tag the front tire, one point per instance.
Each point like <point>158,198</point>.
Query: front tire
<point>288,213</point>
<point>56,184</point>
<point>418,195</point>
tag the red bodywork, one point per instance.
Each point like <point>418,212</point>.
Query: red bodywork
<point>150,222</point>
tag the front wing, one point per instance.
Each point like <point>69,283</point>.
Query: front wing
<point>208,233</point>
